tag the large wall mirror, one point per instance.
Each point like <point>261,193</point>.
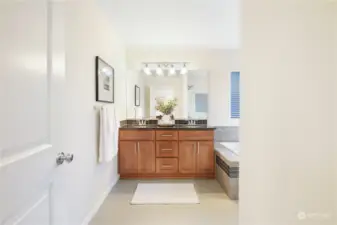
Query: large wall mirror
<point>190,90</point>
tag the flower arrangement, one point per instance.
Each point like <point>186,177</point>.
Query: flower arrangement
<point>166,107</point>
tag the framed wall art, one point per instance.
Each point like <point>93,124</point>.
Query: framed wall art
<point>105,81</point>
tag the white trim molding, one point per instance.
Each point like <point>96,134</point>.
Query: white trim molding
<point>18,219</point>
<point>5,161</point>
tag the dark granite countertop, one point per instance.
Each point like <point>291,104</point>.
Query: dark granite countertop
<point>177,126</point>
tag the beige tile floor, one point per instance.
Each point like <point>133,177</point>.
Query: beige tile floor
<point>215,207</point>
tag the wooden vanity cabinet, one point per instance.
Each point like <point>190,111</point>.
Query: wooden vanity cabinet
<point>128,157</point>
<point>187,157</point>
<point>166,153</point>
<point>137,153</point>
<point>196,152</point>
<point>205,158</point>
<point>137,157</point>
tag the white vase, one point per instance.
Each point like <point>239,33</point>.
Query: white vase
<point>166,119</point>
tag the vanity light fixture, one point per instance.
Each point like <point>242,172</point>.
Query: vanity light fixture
<point>159,70</point>
<point>184,70</point>
<point>147,70</point>
<point>172,70</point>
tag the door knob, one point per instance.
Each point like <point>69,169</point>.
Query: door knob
<point>61,157</point>
<point>69,158</point>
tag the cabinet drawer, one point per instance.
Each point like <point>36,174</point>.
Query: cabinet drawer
<point>167,135</point>
<point>196,135</point>
<point>164,165</point>
<point>137,135</point>
<point>167,149</point>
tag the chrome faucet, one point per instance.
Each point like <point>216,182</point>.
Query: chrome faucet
<point>191,122</point>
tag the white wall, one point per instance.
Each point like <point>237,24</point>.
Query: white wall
<point>219,63</point>
<point>288,158</point>
<point>89,33</point>
<point>334,24</point>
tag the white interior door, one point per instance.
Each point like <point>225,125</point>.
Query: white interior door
<point>32,186</point>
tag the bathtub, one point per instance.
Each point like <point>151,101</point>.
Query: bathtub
<point>227,167</point>
<point>232,146</point>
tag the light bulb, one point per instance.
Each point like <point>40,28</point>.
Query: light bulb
<point>159,70</point>
<point>172,70</point>
<point>147,70</point>
<point>184,70</point>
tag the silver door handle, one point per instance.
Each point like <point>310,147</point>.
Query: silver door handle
<point>61,157</point>
<point>164,166</point>
<point>138,147</point>
<point>198,148</point>
<point>167,149</point>
<point>167,135</point>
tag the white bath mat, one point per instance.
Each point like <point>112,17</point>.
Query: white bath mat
<point>165,193</point>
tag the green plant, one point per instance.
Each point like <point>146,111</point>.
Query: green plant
<point>166,107</point>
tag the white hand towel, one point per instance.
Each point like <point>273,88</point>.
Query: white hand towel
<point>106,138</point>
<point>116,125</point>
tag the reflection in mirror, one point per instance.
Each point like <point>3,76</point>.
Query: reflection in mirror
<point>190,90</point>
<point>197,88</point>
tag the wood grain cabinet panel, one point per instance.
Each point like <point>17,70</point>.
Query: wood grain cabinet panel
<point>146,157</point>
<point>187,157</point>
<point>166,135</point>
<point>205,157</point>
<point>166,165</point>
<point>167,149</point>
<point>137,135</point>
<point>128,157</point>
<point>196,135</point>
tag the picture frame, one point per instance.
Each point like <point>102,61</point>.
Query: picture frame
<point>137,95</point>
<point>105,81</point>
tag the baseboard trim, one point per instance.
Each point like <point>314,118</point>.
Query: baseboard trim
<point>99,203</point>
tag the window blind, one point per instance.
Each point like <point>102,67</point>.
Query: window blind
<point>235,95</point>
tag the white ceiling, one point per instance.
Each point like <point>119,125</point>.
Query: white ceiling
<point>205,23</point>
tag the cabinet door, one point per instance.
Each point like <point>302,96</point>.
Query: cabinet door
<point>128,157</point>
<point>205,157</point>
<point>187,157</point>
<point>146,157</point>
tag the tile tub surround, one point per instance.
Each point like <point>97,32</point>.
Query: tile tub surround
<point>227,170</point>
<point>226,134</point>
